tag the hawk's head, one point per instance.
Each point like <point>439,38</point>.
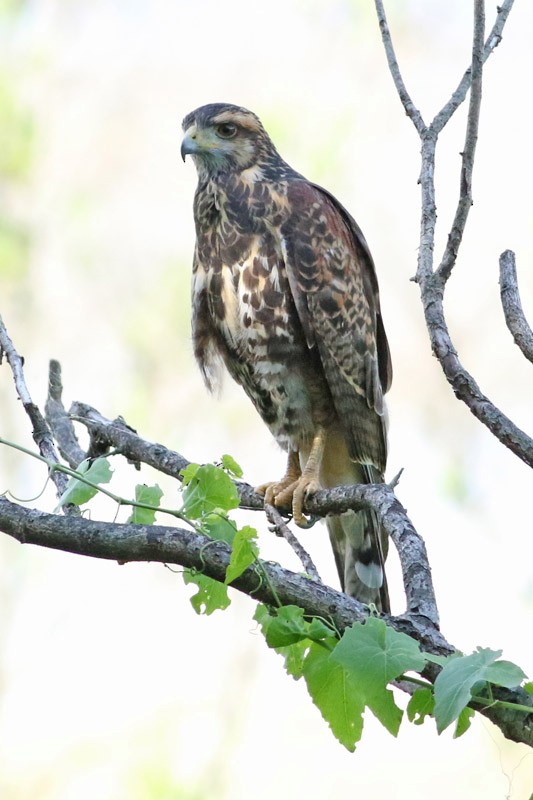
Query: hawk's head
<point>225,138</point>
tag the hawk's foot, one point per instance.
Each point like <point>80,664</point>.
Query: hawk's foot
<point>296,494</point>
<point>296,485</point>
<point>285,487</point>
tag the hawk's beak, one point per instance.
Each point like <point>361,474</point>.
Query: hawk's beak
<point>188,145</point>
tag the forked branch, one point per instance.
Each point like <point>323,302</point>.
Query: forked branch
<point>432,281</point>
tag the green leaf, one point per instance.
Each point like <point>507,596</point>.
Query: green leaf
<point>294,657</point>
<point>262,616</point>
<point>378,653</point>
<point>231,466</point>
<point>151,495</point>
<point>243,553</point>
<point>286,627</point>
<point>442,660</point>
<point>463,721</point>
<point>453,687</point>
<point>219,527</point>
<point>188,473</point>
<point>528,687</point>
<point>504,673</point>
<point>77,491</point>
<point>420,706</point>
<point>208,488</point>
<point>319,631</point>
<point>375,654</point>
<point>211,594</point>
<point>336,694</point>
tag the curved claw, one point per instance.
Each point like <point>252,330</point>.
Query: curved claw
<point>308,522</point>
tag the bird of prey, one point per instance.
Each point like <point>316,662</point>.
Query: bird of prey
<point>285,295</point>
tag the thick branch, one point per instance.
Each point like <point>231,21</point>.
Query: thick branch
<point>512,305</point>
<point>416,572</point>
<point>170,545</point>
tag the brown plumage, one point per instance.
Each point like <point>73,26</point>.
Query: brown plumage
<point>285,295</point>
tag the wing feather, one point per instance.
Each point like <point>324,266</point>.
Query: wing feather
<point>334,285</point>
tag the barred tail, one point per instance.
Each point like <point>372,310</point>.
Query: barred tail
<point>356,539</point>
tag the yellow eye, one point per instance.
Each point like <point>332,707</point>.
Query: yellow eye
<point>226,130</point>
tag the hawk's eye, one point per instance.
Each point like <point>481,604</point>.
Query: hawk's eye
<point>226,130</point>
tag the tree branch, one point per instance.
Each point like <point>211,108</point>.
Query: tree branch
<point>512,305</point>
<point>493,40</point>
<point>465,192</point>
<point>59,421</point>
<point>432,283</point>
<point>172,545</point>
<point>42,435</point>
<point>410,109</point>
<point>280,528</point>
<point>416,571</point>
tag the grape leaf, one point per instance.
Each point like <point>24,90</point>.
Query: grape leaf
<point>463,721</point>
<point>336,694</point>
<point>151,495</point>
<point>286,627</point>
<point>77,491</point>
<point>453,687</point>
<point>375,654</point>
<point>231,466</point>
<point>211,594</point>
<point>420,706</point>
<point>378,652</point>
<point>219,527</point>
<point>318,630</point>
<point>188,473</point>
<point>208,488</point>
<point>294,657</point>
<point>287,632</point>
<point>504,673</point>
<point>244,552</point>
<point>442,660</point>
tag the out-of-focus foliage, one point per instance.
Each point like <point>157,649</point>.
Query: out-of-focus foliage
<point>16,135</point>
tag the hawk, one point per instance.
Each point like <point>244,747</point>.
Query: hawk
<point>285,295</point>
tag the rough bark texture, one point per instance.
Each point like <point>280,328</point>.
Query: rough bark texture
<point>173,545</point>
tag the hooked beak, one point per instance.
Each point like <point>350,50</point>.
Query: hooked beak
<point>188,145</point>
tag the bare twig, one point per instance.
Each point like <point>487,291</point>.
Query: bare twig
<point>280,528</point>
<point>493,40</point>
<point>465,191</point>
<point>432,283</point>
<point>412,112</point>
<point>512,305</point>
<point>42,435</point>
<point>118,434</point>
<point>59,421</point>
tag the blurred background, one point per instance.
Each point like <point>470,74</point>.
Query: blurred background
<point>110,686</point>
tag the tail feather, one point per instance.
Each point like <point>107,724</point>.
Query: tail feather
<point>358,540</point>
